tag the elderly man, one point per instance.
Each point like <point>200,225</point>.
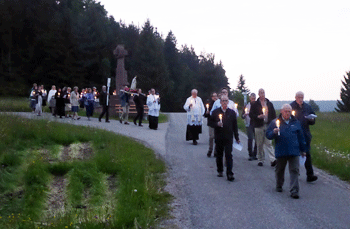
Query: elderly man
<point>302,110</point>
<point>209,106</point>
<point>262,113</point>
<point>231,104</point>
<point>224,121</point>
<point>195,111</point>
<point>153,103</point>
<point>290,143</point>
<point>250,128</point>
<point>103,102</point>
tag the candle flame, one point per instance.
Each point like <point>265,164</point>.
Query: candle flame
<point>293,113</point>
<point>220,117</point>
<point>236,105</point>
<point>246,110</point>
<point>278,123</point>
<point>263,110</point>
<point>207,106</point>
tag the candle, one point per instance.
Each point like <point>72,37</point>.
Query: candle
<point>293,113</point>
<point>263,110</point>
<point>220,117</point>
<point>236,105</point>
<point>33,92</point>
<point>246,110</point>
<point>207,106</point>
<point>278,125</point>
<point>58,94</point>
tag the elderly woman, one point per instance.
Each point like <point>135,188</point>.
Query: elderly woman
<point>195,111</point>
<point>51,99</point>
<point>74,100</point>
<point>89,103</point>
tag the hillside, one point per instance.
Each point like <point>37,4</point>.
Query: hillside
<point>325,105</point>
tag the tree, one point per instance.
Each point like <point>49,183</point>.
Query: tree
<point>314,106</point>
<point>241,85</point>
<point>344,105</point>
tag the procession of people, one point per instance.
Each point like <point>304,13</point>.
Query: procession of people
<point>290,130</point>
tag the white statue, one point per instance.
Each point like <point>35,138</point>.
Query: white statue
<point>133,84</point>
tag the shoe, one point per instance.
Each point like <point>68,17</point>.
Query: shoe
<point>250,158</point>
<point>311,178</point>
<point>135,123</point>
<point>120,121</point>
<point>141,125</point>
<point>209,153</point>
<point>126,123</point>
<point>294,195</point>
<point>107,121</point>
<point>99,120</point>
<point>273,163</point>
<point>260,164</point>
<point>230,177</point>
<point>220,174</point>
<point>279,189</point>
<point>195,142</point>
<point>78,118</point>
<point>255,158</point>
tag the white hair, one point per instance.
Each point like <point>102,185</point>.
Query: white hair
<point>194,91</point>
<point>286,106</point>
<point>299,93</point>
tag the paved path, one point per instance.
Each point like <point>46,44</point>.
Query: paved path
<point>204,200</point>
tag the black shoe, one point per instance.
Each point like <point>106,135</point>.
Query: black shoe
<point>108,121</point>
<point>220,174</point>
<point>230,177</point>
<point>250,158</point>
<point>255,158</point>
<point>126,123</point>
<point>273,163</point>
<point>99,120</point>
<point>279,189</point>
<point>135,123</point>
<point>120,121</point>
<point>209,153</point>
<point>260,164</point>
<point>311,178</point>
<point>141,125</point>
<point>294,195</point>
<point>195,142</point>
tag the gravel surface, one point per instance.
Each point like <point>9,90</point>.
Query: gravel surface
<point>203,200</point>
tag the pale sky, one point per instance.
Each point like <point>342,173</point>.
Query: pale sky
<point>281,46</point>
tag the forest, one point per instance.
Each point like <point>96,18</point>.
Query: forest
<point>71,43</point>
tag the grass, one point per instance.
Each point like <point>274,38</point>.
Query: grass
<point>31,159</point>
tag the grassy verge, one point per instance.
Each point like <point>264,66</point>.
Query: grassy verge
<point>48,179</point>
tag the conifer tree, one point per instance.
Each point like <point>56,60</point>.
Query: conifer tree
<point>344,104</point>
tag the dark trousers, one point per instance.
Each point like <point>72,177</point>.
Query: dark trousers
<point>153,122</point>
<point>251,133</point>
<point>293,164</point>
<point>221,147</point>
<point>308,162</point>
<point>105,110</point>
<point>139,115</point>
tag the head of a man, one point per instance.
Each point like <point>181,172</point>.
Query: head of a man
<point>53,87</point>
<point>299,98</point>
<point>286,111</point>
<point>69,89</point>
<point>139,91</point>
<point>261,94</point>
<point>194,93</point>
<point>153,92</point>
<point>252,98</point>
<point>224,102</point>
<point>75,89</point>
<point>224,91</point>
<point>104,88</point>
<point>214,96</point>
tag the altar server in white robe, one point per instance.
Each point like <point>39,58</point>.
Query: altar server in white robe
<point>231,104</point>
<point>153,103</point>
<point>195,111</point>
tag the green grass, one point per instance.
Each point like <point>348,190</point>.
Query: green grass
<point>30,152</point>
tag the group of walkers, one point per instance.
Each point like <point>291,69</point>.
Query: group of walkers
<point>290,130</point>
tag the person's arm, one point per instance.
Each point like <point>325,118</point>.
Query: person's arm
<point>187,105</point>
<point>301,139</point>
<point>311,121</point>
<point>272,130</point>
<point>235,129</point>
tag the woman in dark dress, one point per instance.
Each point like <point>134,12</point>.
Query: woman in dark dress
<point>59,103</point>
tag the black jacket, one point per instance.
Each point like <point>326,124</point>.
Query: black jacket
<point>140,101</point>
<point>211,103</point>
<point>103,98</point>
<point>256,110</point>
<point>229,129</point>
<point>300,113</point>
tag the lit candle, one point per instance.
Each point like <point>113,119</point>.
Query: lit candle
<point>236,105</point>
<point>58,94</point>
<point>207,106</point>
<point>33,92</point>
<point>220,117</point>
<point>263,110</point>
<point>293,113</point>
<point>278,125</point>
<point>246,110</point>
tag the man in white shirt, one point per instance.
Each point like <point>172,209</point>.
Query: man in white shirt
<point>231,104</point>
<point>153,103</point>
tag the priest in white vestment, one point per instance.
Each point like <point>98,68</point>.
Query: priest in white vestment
<point>195,111</point>
<point>153,103</point>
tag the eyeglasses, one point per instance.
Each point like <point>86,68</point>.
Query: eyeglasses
<point>224,100</point>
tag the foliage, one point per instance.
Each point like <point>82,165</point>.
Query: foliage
<point>314,106</point>
<point>344,105</point>
<point>241,85</point>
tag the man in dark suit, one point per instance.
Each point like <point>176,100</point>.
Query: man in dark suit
<point>139,100</point>
<point>224,121</point>
<point>103,103</point>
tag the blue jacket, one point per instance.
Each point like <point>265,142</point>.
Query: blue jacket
<point>291,140</point>
<point>124,98</point>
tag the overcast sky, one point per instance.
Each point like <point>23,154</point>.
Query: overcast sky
<point>281,46</point>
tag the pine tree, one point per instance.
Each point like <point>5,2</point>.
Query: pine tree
<point>344,105</point>
<point>241,85</point>
<point>314,106</point>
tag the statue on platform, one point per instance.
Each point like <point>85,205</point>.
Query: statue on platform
<point>121,77</point>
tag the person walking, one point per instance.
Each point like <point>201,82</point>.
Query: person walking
<point>104,96</point>
<point>209,106</point>
<point>224,121</point>
<point>195,110</point>
<point>89,103</point>
<point>124,102</point>
<point>74,101</point>
<point>290,144</point>
<point>139,100</point>
<point>302,113</point>
<point>51,99</point>
<point>59,103</point>
<point>250,128</point>
<point>262,113</point>
<point>153,103</point>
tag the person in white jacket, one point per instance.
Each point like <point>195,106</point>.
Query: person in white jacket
<point>153,103</point>
<point>195,111</point>
<point>51,99</point>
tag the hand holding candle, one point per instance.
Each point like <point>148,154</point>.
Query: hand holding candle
<point>278,126</point>
<point>293,113</point>
<point>236,105</point>
<point>220,117</point>
<point>263,110</point>
<point>246,110</point>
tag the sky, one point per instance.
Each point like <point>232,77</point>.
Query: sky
<point>281,46</point>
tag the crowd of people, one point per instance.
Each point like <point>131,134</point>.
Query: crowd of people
<point>290,130</point>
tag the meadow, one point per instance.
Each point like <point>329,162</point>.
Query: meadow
<point>55,175</point>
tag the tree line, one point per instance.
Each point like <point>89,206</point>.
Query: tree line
<point>71,42</point>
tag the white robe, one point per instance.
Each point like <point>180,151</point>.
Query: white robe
<point>51,93</point>
<point>153,106</point>
<point>196,112</point>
